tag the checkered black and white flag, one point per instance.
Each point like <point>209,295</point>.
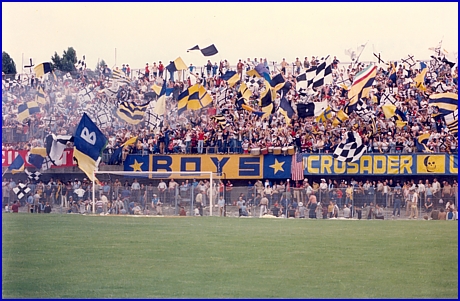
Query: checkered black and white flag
<point>21,190</point>
<point>363,111</point>
<point>80,65</point>
<point>34,175</point>
<point>323,73</point>
<point>350,150</point>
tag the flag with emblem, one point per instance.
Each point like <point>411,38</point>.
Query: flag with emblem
<point>350,149</point>
<point>297,169</point>
<point>89,142</point>
<point>311,109</point>
<point>21,190</point>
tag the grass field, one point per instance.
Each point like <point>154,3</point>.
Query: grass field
<point>72,256</point>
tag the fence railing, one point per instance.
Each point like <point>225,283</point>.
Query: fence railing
<point>192,198</point>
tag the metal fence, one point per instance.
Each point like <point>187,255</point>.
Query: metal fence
<point>191,197</point>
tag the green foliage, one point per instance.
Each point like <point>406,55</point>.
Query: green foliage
<point>67,62</point>
<point>8,65</point>
<point>56,61</point>
<point>75,256</point>
<point>101,64</point>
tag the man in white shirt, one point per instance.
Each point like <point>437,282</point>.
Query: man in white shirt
<point>436,189</point>
<point>421,190</point>
<point>162,190</point>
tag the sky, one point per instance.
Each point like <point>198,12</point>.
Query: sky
<point>140,33</point>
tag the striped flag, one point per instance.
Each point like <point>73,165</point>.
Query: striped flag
<point>452,122</point>
<point>297,167</point>
<point>362,84</point>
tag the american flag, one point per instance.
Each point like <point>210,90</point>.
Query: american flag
<point>297,167</point>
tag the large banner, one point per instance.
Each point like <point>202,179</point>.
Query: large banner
<point>279,166</point>
<point>8,157</point>
<point>231,166</point>
<point>376,164</point>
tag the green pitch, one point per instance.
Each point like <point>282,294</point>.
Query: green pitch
<point>72,256</point>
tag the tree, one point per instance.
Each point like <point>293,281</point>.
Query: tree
<point>8,65</point>
<point>101,64</point>
<point>56,61</point>
<point>67,62</point>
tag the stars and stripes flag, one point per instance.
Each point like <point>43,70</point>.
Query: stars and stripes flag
<point>297,167</point>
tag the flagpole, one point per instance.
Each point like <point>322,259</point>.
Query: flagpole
<point>94,192</point>
<point>357,59</point>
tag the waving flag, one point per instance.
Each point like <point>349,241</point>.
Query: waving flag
<point>445,102</point>
<point>176,65</point>
<point>231,77</point>
<point>286,110</point>
<point>42,69</point>
<point>25,110</point>
<point>194,98</point>
<point>452,122</point>
<point>311,109</point>
<point>89,142</point>
<point>362,84</point>
<point>208,51</point>
<point>17,165</point>
<point>350,150</point>
<point>130,112</point>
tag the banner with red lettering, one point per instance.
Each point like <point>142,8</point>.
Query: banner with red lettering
<point>8,157</point>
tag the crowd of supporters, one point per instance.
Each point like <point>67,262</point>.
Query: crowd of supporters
<point>315,199</point>
<point>196,132</point>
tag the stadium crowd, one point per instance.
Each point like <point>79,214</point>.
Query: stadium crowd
<point>197,132</point>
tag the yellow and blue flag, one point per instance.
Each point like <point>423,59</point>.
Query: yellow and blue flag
<point>17,165</point>
<point>25,110</point>
<point>445,102</point>
<point>194,98</point>
<point>231,77</point>
<point>131,113</point>
<point>89,142</point>
<point>42,69</point>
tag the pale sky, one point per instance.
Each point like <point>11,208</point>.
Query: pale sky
<point>150,32</point>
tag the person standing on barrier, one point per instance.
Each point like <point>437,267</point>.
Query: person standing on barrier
<point>414,203</point>
<point>162,189</point>
<point>397,200</point>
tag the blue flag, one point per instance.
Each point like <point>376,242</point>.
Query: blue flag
<point>17,165</point>
<point>89,142</point>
